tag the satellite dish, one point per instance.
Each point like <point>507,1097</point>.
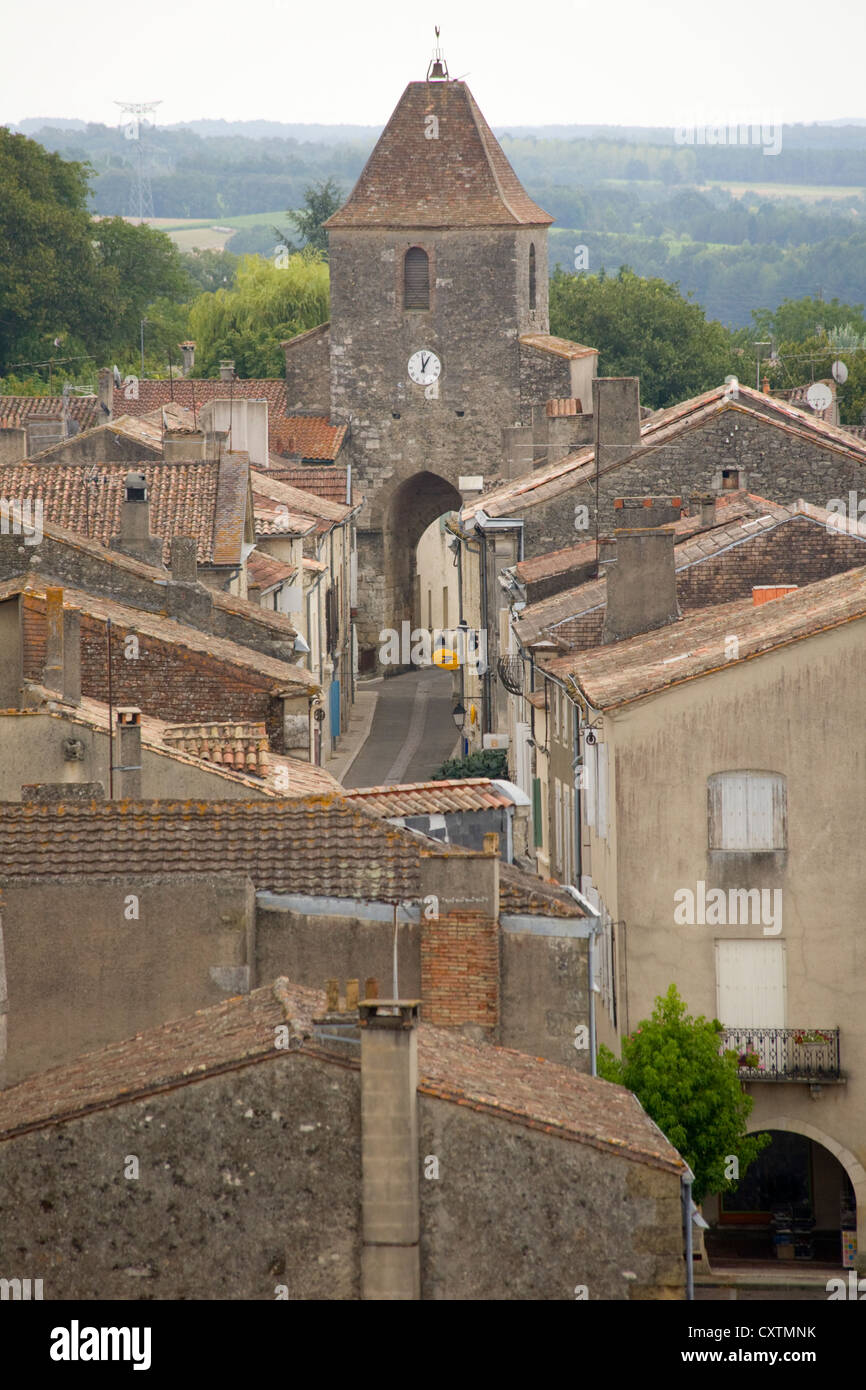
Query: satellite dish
<point>819,396</point>
<point>118,379</point>
<point>839,372</point>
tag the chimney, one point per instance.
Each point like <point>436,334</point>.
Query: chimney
<point>254,594</point>
<point>52,675</point>
<point>106,394</point>
<point>390,1261</point>
<point>71,657</point>
<point>227,370</point>
<point>179,446</point>
<point>703,504</point>
<point>127,753</point>
<point>616,411</point>
<point>765,386</point>
<point>187,352</point>
<point>184,559</point>
<point>135,538</point>
<point>641,584</point>
<point>764,593</point>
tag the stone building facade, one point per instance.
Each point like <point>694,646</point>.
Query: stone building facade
<point>236,1154</point>
<point>439,252</point>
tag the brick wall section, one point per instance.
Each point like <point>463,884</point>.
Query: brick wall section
<point>166,681</point>
<point>799,552</point>
<point>460,970</point>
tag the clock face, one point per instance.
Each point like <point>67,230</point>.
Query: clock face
<point>424,367</point>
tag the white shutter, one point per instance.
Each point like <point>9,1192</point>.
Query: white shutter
<point>602,790</point>
<point>750,981</point>
<point>590,762</point>
<point>747,811</point>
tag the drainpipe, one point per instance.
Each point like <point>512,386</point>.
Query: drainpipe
<point>593,1067</point>
<point>594,929</point>
<point>687,1180</point>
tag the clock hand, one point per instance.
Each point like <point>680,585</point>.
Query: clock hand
<point>424,361</point>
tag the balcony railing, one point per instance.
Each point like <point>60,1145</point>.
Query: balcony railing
<point>785,1054</point>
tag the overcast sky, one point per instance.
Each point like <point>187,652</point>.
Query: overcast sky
<point>636,62</point>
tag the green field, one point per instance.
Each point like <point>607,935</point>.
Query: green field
<point>807,192</point>
<point>203,234</point>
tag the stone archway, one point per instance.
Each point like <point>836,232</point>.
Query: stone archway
<point>849,1161</point>
<point>390,549</point>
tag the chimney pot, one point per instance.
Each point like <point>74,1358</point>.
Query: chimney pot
<point>332,992</point>
<point>491,842</point>
<point>351,995</point>
<point>371,987</point>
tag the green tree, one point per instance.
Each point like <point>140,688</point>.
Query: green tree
<point>673,1064</point>
<point>322,200</point>
<point>487,762</point>
<point>211,270</point>
<point>70,286</point>
<point>268,303</point>
<point>798,320</point>
<point>642,327</point>
<point>136,266</point>
<point>48,270</point>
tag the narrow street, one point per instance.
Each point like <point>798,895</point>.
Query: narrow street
<point>413,731</point>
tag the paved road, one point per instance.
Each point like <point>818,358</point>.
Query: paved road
<point>413,731</point>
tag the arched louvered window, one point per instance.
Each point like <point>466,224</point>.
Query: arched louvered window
<point>532,276</point>
<point>416,279</point>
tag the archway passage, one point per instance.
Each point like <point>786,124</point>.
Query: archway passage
<point>412,506</point>
<point>795,1204</point>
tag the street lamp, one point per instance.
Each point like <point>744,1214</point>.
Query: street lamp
<point>458,714</point>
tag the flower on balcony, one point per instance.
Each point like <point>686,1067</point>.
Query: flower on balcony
<point>813,1038</point>
<point>750,1060</point>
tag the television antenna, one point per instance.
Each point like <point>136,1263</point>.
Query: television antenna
<point>142,192</point>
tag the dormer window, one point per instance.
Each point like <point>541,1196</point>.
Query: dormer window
<point>416,279</point>
<point>532,276</point>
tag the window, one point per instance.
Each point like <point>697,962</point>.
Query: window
<point>747,811</point>
<point>532,276</point>
<point>416,279</point>
<point>730,479</point>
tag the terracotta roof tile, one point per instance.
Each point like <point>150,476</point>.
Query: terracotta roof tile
<point>15,411</point>
<point>266,571</point>
<point>460,179</point>
<point>497,1081</point>
<point>557,615</point>
<point>329,483</point>
<point>306,436</point>
<point>298,500</point>
<point>319,845</point>
<point>191,393</point>
<point>430,798</point>
<point>183,500</point>
<point>695,645</point>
